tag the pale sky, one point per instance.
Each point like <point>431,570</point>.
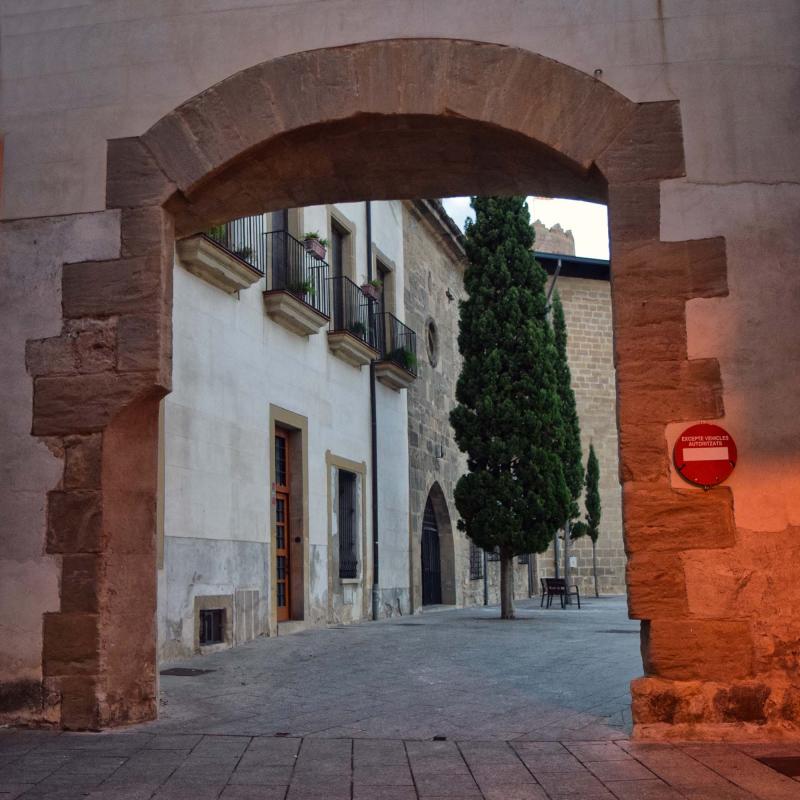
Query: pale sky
<point>587,221</point>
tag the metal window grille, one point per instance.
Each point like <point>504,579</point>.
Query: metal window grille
<point>523,559</point>
<point>475,562</point>
<point>348,539</point>
<point>212,626</point>
<point>280,460</point>
<point>493,555</point>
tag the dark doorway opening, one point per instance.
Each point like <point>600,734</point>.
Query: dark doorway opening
<point>431,560</point>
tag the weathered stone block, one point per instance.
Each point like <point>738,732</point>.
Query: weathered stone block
<point>656,586</point>
<point>83,461</point>
<point>142,340</point>
<point>708,267</point>
<point>133,177</point>
<point>145,231</point>
<point>71,644</point>
<point>658,517</point>
<point>52,356</point>
<point>643,452</point>
<point>177,151</point>
<point>74,522</point>
<point>633,214</point>
<point>744,702</point>
<point>658,701</point>
<point>104,288</point>
<point>85,403</point>
<point>80,583</point>
<point>666,391</point>
<point>692,649</point>
<point>650,146</point>
<point>79,702</point>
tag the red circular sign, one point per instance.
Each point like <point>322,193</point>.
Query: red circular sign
<point>705,454</point>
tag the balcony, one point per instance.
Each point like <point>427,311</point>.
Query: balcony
<point>297,290</point>
<point>227,256</point>
<point>397,345</point>
<point>351,336</point>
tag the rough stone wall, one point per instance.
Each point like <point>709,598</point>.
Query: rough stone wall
<point>587,309</point>
<point>553,240</point>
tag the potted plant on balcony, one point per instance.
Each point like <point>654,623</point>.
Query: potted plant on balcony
<point>358,329</point>
<point>404,357</point>
<point>315,245</point>
<point>302,289</point>
<point>372,289</point>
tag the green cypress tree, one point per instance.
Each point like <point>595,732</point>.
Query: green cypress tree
<point>571,456</point>
<point>593,508</point>
<point>508,418</point>
<point>591,527</point>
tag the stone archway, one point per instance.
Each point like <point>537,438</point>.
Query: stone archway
<point>445,117</point>
<point>446,548</point>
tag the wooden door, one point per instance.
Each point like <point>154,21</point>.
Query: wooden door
<point>282,532</point>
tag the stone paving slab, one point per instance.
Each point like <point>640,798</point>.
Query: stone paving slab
<point>352,713</point>
<point>272,768</point>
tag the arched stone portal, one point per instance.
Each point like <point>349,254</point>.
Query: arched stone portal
<point>437,517</point>
<point>388,119</point>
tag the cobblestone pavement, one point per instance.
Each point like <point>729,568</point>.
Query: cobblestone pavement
<point>535,708</point>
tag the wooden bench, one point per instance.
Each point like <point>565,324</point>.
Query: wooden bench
<point>557,587</point>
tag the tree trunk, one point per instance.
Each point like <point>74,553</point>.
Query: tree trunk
<point>556,557</point>
<point>594,567</point>
<point>566,561</point>
<point>506,585</point>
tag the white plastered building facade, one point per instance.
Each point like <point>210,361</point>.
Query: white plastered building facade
<point>247,384</point>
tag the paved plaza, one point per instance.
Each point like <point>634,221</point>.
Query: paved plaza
<point>448,704</point>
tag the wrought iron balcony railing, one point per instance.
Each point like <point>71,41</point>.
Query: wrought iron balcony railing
<point>292,269</point>
<point>350,310</point>
<point>395,341</point>
<point>243,238</point>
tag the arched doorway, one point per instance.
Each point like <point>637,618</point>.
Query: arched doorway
<point>431,558</point>
<point>433,573</point>
<point>404,118</point>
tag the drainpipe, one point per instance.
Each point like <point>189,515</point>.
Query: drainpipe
<point>373,413</point>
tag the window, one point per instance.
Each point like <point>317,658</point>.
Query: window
<point>348,522</point>
<point>432,342</point>
<point>337,255</point>
<point>475,561</point>
<point>523,559</point>
<point>384,275</point>
<point>212,626</point>
<point>494,555</point>
<point>280,460</point>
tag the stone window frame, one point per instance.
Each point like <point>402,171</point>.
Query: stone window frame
<point>390,287</point>
<point>337,218</point>
<point>208,602</point>
<point>433,357</point>
<point>334,464</point>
